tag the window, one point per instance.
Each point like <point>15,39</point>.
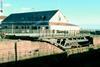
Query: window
<point>16,27</point>
<point>70,38</point>
<point>65,32</point>
<point>43,17</point>
<point>30,18</point>
<point>74,38</point>
<point>5,27</point>
<point>39,27</point>
<point>22,18</point>
<point>22,27</point>
<point>27,27</point>
<point>34,27</point>
<point>47,27</point>
<point>59,18</point>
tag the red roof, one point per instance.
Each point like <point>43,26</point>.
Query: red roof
<point>2,17</point>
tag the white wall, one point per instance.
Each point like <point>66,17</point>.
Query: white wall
<point>58,27</point>
<point>58,16</point>
<point>0,20</point>
<point>1,14</point>
<point>70,29</point>
<point>55,19</point>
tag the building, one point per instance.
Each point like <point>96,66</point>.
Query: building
<point>2,17</point>
<point>52,21</point>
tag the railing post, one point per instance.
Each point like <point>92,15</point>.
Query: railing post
<point>15,47</point>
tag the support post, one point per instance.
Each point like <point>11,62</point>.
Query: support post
<point>15,46</point>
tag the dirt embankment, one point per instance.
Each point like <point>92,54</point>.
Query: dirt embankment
<point>25,49</point>
<point>96,40</point>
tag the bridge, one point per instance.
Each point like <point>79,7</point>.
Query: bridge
<point>61,40</point>
<point>69,45</point>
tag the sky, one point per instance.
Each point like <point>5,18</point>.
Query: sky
<point>80,12</point>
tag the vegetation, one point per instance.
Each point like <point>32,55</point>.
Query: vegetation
<point>2,35</point>
<point>94,32</point>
